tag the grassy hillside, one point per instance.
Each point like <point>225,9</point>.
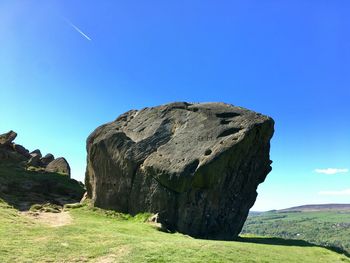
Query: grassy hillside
<point>95,235</point>
<point>327,228</point>
<point>22,188</point>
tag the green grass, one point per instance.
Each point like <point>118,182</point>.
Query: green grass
<point>22,188</point>
<point>325,228</point>
<point>96,235</point>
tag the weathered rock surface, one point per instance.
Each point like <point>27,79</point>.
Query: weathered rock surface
<point>196,165</point>
<point>59,165</point>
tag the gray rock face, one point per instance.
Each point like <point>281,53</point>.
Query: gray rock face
<point>59,165</point>
<point>196,165</point>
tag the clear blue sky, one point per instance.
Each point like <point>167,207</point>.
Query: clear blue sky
<point>68,66</point>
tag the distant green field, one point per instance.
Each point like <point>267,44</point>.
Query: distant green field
<point>96,235</point>
<point>326,228</point>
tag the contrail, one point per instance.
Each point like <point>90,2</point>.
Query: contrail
<point>77,29</point>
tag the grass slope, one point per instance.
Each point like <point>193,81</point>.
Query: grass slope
<point>22,188</point>
<point>101,236</point>
<point>325,228</point>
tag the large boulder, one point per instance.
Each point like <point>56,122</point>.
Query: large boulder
<point>59,165</point>
<point>196,165</point>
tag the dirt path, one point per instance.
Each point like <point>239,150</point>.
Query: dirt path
<point>50,219</point>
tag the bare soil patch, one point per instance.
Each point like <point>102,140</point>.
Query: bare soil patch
<point>51,219</point>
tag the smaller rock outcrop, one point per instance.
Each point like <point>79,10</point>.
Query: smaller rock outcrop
<point>59,165</point>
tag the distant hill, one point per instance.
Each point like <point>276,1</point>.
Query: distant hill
<point>324,225</point>
<point>317,207</point>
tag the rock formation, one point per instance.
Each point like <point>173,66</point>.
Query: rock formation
<point>195,165</point>
<point>15,152</point>
<point>59,165</point>
<point>27,178</point>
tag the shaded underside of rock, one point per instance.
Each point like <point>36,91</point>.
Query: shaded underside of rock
<point>196,165</point>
